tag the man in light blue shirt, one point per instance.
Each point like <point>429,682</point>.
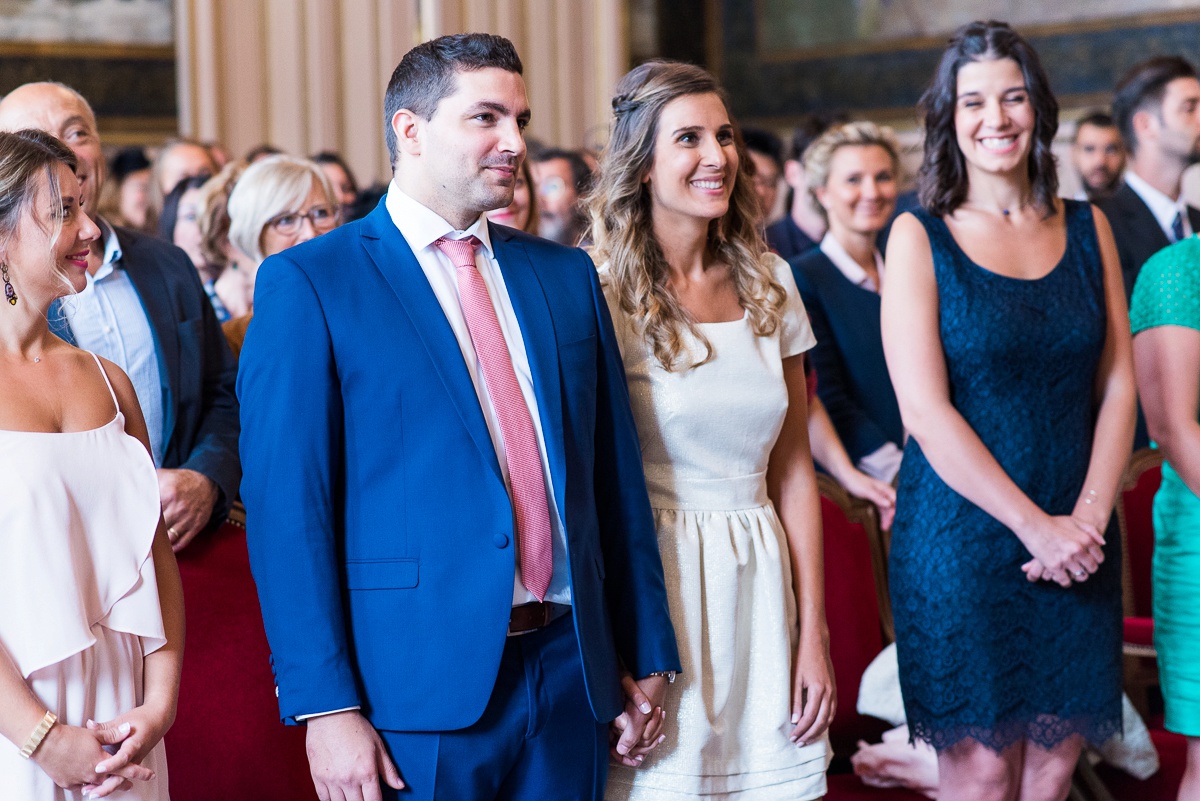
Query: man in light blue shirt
<point>145,309</point>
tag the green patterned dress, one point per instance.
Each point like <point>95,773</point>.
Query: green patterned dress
<point>1168,293</point>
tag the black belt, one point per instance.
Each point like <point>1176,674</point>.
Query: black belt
<point>533,616</point>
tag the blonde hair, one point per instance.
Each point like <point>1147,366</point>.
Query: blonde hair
<point>24,155</point>
<point>213,220</point>
<point>819,155</point>
<point>622,230</point>
<point>268,187</point>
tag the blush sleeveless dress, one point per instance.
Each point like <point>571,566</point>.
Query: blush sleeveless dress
<point>984,654</point>
<point>79,604</point>
<point>706,435</point>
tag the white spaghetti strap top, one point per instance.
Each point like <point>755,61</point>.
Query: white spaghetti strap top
<point>112,393</point>
<point>78,515</point>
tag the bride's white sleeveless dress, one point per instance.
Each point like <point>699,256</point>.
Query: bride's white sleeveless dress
<point>79,605</point>
<point>706,435</point>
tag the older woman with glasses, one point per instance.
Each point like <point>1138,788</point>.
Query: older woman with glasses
<point>278,202</point>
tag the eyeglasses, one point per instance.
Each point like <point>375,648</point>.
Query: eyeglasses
<point>323,218</point>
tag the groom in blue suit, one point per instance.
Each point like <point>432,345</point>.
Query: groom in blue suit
<point>446,512</point>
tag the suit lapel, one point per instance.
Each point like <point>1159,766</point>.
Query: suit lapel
<point>395,260</point>
<point>532,307</point>
<point>155,295</point>
<point>1141,219</point>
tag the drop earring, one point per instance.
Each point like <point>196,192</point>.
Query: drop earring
<point>8,290</point>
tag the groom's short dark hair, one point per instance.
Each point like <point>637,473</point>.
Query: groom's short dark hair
<point>426,74</point>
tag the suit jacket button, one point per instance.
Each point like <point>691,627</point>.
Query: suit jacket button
<point>501,540</point>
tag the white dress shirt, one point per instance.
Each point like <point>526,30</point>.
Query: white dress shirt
<point>421,227</point>
<point>1162,207</point>
<point>882,463</point>
<point>108,318</point>
<point>848,267</point>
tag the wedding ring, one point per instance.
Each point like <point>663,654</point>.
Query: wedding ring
<point>172,534</point>
<point>1079,573</point>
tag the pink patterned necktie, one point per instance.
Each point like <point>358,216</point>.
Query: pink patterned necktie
<point>516,426</point>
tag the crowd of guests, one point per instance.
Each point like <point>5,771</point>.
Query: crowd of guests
<point>518,510</point>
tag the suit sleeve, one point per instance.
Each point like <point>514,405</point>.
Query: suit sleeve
<point>292,445</point>
<point>634,583</point>
<point>858,431</point>
<point>215,452</point>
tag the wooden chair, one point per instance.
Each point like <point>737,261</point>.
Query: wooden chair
<point>1134,510</point>
<point>859,611</point>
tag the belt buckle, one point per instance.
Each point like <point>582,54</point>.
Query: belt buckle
<point>531,625</point>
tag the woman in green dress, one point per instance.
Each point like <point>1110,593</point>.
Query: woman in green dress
<point>1165,314</point>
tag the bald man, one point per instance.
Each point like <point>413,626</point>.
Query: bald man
<point>178,159</point>
<point>145,309</point>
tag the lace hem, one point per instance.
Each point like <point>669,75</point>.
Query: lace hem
<point>1045,731</point>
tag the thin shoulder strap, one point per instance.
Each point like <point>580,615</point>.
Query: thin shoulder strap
<point>107,383</point>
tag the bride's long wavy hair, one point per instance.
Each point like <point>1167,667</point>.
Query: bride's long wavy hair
<point>623,235</point>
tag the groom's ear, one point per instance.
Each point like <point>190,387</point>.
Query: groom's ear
<point>409,129</point>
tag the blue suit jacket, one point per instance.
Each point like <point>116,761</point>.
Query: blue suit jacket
<point>381,534</point>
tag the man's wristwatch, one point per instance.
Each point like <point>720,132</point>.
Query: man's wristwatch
<point>669,675</point>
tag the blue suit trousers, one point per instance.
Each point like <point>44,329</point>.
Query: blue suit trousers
<point>537,739</point>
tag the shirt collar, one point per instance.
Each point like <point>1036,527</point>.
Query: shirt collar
<point>112,249</point>
<point>846,264</point>
<point>421,226</point>
<point>1162,207</point>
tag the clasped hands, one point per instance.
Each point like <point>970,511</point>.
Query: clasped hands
<point>1066,550</point>
<point>75,758</point>
<point>187,498</point>
<point>638,730</point>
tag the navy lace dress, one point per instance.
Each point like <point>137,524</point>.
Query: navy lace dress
<point>985,654</point>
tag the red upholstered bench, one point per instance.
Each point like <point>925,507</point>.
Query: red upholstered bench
<point>227,741</point>
<point>1135,514</point>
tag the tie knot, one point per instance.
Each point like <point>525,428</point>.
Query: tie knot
<point>460,251</point>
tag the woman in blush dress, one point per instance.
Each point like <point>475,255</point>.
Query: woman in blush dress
<point>1007,340</point>
<point>712,333</point>
<point>91,609</point>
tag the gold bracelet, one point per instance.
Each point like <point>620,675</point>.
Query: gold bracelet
<point>38,735</point>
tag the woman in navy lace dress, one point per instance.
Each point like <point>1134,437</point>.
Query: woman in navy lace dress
<point>1007,340</point>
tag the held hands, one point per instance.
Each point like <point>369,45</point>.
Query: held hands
<point>188,498</point>
<point>75,759</point>
<point>1065,550</point>
<point>638,730</point>
<point>347,759</point>
<point>814,698</point>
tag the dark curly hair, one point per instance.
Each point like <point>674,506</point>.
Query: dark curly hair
<point>943,176</point>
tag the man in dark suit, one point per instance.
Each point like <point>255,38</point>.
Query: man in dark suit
<point>1157,109</point>
<point>446,511</point>
<point>145,309</point>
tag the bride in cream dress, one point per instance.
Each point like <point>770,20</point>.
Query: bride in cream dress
<point>711,330</point>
